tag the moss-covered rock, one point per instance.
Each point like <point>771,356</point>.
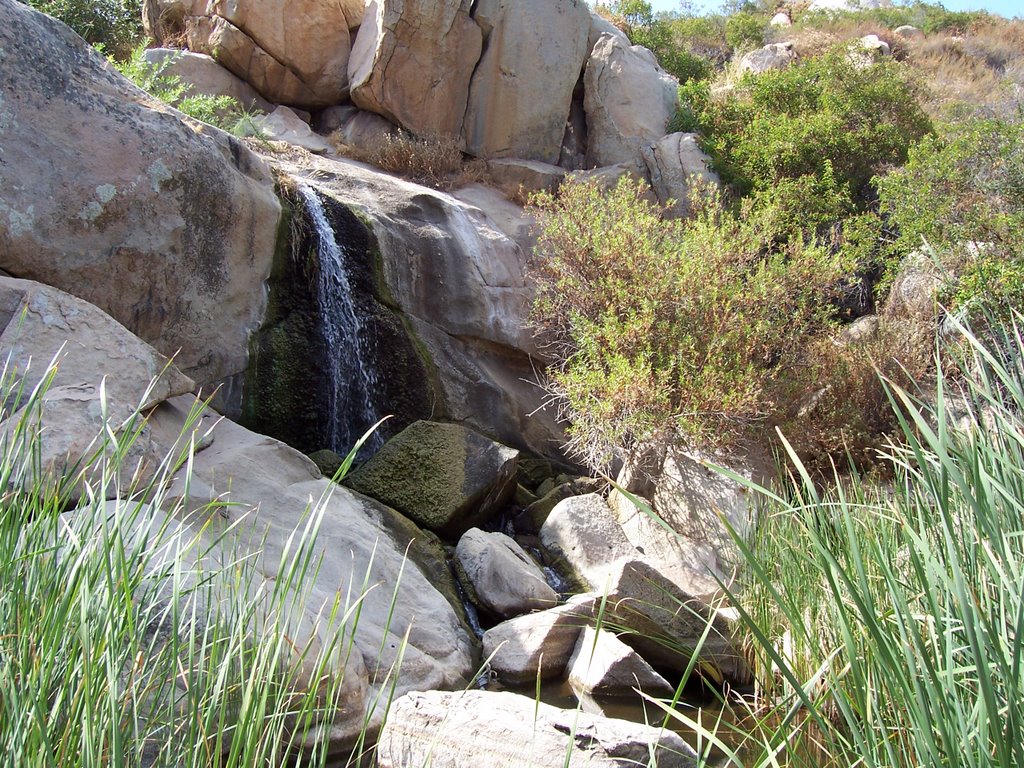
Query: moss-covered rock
<point>442,476</point>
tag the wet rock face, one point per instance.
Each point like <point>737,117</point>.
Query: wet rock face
<point>287,382</point>
<point>164,223</point>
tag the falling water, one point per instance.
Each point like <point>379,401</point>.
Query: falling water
<point>350,410</point>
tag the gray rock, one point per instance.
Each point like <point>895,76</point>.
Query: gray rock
<point>520,649</point>
<point>541,508</point>
<point>519,178</point>
<point>204,76</point>
<point>505,730</point>
<point>522,87</point>
<point>102,378</point>
<point>771,56</point>
<point>603,665</point>
<point>284,125</point>
<point>628,99</point>
<point>907,32</point>
<point>101,181</point>
<point>442,476</point>
<point>500,577</point>
<point>674,164</point>
<point>583,537</point>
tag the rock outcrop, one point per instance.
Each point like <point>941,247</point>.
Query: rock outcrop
<point>293,52</point>
<point>412,61</point>
<point>166,224</point>
<point>504,729</point>
<point>522,88</point>
<point>629,101</point>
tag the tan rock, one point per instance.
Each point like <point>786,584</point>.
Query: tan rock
<point>284,125</point>
<point>603,665</point>
<point>166,224</point>
<point>293,53</point>
<point>412,62</point>
<point>519,178</point>
<point>522,88</point>
<point>628,99</point>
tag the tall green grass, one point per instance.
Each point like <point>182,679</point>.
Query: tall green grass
<point>890,615</point>
<point>136,632</point>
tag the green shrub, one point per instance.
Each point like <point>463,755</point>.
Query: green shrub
<point>115,25</point>
<point>745,30</point>
<point>962,194</point>
<point>667,330</point>
<point>820,113</point>
<point>224,112</point>
<point>658,35</point>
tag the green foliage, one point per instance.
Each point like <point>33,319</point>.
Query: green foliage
<point>963,195</point>
<point>818,117</point>
<point>928,17</point>
<point>745,31</point>
<point>669,330</point>
<point>116,25</point>
<point>659,36</point>
<point>224,112</point>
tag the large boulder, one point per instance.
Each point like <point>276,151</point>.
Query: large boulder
<point>674,164</point>
<point>82,378</point>
<point>628,99</point>
<point>293,52</point>
<point>443,476</point>
<point>166,224</point>
<point>522,88</point>
<point>663,603</point>
<point>537,644</point>
<point>412,61</point>
<point>284,125</point>
<point>771,56</point>
<point>501,730</point>
<point>203,76</point>
<point>500,576</point>
<point>699,512</point>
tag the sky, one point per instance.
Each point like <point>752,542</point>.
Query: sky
<point>1007,8</point>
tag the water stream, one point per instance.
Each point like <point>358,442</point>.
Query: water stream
<point>349,399</point>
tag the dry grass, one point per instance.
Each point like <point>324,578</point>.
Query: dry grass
<point>436,162</point>
<point>983,69</point>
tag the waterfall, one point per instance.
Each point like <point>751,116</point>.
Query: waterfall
<point>349,407</point>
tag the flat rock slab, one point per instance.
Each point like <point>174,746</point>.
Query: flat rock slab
<point>442,476</point>
<point>502,730</point>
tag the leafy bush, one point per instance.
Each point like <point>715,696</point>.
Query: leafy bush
<point>224,112</point>
<point>963,195</point>
<point>659,36</point>
<point>819,116</point>
<point>115,25</point>
<point>668,330</point>
<point>745,30</point>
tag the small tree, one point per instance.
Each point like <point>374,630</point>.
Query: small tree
<point>670,331</point>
